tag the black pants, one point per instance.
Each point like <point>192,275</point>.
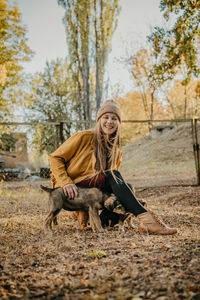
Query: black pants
<point>116,185</point>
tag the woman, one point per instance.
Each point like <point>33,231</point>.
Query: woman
<point>92,158</point>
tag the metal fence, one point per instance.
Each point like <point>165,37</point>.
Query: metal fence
<point>24,157</point>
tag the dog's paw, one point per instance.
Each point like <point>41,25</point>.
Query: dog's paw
<point>85,228</point>
<point>98,230</point>
<point>119,227</point>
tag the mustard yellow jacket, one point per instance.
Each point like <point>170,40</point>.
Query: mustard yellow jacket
<point>74,160</point>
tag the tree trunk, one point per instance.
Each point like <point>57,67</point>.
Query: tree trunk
<point>152,106</point>
<point>185,104</point>
<point>98,100</point>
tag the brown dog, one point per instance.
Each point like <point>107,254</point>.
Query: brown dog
<point>89,199</point>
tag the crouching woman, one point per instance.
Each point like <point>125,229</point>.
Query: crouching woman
<point>91,158</point>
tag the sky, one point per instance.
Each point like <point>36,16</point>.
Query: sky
<point>46,34</point>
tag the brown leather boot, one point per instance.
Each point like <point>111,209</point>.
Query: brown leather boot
<point>150,223</point>
<point>83,218</point>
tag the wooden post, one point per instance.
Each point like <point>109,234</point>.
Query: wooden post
<point>62,139</point>
<point>57,138</point>
<point>196,148</point>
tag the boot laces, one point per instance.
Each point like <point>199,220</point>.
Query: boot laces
<point>157,219</point>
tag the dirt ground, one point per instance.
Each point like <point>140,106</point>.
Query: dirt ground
<point>116,264</point>
<point>168,155</point>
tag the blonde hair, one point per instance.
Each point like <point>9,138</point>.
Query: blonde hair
<point>106,148</point>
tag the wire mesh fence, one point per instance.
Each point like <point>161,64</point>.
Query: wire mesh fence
<point>168,148</point>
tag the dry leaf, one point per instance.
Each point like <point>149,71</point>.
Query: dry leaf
<point>134,246</point>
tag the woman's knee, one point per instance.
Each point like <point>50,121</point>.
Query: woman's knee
<point>113,177</point>
<point>115,172</point>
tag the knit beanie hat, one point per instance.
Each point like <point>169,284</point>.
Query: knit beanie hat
<point>109,106</point>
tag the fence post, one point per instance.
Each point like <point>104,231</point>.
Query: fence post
<point>62,139</point>
<point>196,148</point>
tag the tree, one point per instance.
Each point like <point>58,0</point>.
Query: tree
<point>51,100</point>
<point>89,25</point>
<point>105,23</point>
<point>183,100</point>
<point>14,49</point>
<point>140,66</point>
<point>77,26</point>
<point>7,142</point>
<point>180,44</point>
<point>132,109</point>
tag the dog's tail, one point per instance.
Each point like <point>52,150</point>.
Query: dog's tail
<point>46,189</point>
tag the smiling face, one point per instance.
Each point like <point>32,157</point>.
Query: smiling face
<point>109,123</point>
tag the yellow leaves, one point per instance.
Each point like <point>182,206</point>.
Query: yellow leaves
<point>156,42</point>
<point>183,99</point>
<point>132,109</point>
<point>95,254</point>
<point>13,44</point>
<point>134,245</point>
<point>3,74</point>
<point>197,89</point>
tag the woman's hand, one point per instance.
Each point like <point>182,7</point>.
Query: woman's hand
<point>70,190</point>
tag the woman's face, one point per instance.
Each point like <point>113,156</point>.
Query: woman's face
<point>109,123</point>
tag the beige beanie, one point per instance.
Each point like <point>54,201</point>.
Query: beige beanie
<point>109,106</point>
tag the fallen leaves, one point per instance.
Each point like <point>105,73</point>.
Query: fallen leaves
<point>134,246</point>
<point>166,246</point>
<point>95,254</point>
<point>73,264</point>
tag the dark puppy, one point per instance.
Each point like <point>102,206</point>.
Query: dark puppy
<point>110,218</point>
<point>89,199</point>
<point>114,213</point>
